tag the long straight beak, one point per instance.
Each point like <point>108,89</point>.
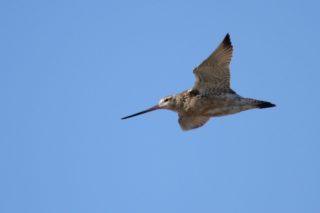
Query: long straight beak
<point>144,111</point>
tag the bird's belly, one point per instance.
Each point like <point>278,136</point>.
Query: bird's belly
<point>221,111</point>
<point>219,106</point>
<point>227,110</point>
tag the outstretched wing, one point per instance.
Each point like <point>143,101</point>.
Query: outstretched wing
<point>214,73</point>
<point>188,122</point>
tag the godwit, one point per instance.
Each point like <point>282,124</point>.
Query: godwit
<point>211,95</point>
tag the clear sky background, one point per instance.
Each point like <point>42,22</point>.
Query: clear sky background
<point>71,69</point>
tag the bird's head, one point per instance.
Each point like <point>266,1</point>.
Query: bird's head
<point>167,102</point>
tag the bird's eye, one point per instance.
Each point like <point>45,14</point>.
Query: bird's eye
<point>165,100</point>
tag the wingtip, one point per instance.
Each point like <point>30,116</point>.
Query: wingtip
<point>227,41</point>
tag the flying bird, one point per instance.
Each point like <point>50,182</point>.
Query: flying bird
<point>211,95</point>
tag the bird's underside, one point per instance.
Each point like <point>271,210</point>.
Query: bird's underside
<point>211,94</point>
<point>197,108</point>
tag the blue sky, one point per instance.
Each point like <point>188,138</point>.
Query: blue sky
<point>71,69</point>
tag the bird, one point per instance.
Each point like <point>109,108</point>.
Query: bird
<point>211,94</point>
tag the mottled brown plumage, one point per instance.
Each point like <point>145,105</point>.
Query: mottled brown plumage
<point>211,95</point>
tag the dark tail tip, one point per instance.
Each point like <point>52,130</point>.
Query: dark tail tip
<point>265,104</point>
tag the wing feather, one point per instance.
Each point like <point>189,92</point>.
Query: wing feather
<point>214,72</point>
<point>188,122</point>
